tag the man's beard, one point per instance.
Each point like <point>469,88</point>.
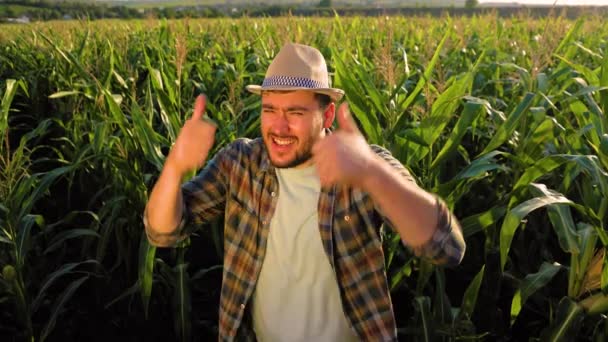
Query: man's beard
<point>297,161</point>
<point>302,156</point>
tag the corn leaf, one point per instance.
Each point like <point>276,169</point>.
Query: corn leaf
<point>146,270</point>
<point>478,222</point>
<point>24,237</point>
<point>425,77</point>
<point>508,127</point>
<point>60,238</point>
<point>587,240</point>
<point>469,299</point>
<point>561,220</point>
<point>481,165</point>
<point>7,99</point>
<point>604,275</point>
<point>58,306</point>
<point>182,303</point>
<point>514,217</point>
<point>530,284</point>
<point>566,324</point>
<point>63,271</point>
<point>426,327</point>
<point>470,113</point>
<point>603,82</point>
<point>442,308</point>
<point>357,96</point>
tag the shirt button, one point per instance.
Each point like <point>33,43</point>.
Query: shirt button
<point>242,306</point>
<point>346,218</point>
<point>273,194</point>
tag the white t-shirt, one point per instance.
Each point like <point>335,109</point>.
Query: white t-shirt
<point>297,296</point>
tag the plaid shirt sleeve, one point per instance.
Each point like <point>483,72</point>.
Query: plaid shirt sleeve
<point>203,197</point>
<point>205,194</point>
<point>447,245</point>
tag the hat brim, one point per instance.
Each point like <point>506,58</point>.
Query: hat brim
<point>334,93</point>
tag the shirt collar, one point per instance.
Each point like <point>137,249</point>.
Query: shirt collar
<point>265,164</point>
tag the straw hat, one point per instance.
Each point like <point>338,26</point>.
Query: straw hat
<point>298,67</point>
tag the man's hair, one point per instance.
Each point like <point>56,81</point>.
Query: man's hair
<point>323,99</point>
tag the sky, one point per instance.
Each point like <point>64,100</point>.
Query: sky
<point>551,2</point>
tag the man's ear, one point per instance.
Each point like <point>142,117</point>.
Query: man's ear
<point>329,115</point>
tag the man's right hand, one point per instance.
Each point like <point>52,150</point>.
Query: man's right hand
<point>194,141</point>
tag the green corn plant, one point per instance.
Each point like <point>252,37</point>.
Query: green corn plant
<point>578,239</point>
<point>503,118</point>
<point>17,227</point>
<point>382,116</point>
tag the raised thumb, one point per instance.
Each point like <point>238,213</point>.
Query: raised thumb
<point>345,120</point>
<point>199,107</point>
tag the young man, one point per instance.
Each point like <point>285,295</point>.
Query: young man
<point>303,206</point>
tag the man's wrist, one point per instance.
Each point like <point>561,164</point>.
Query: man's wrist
<point>172,171</point>
<point>373,175</point>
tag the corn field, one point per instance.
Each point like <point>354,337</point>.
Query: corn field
<point>503,118</point>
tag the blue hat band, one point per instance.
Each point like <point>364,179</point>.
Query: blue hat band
<point>291,81</point>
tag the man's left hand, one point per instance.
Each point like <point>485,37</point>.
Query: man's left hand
<point>343,157</point>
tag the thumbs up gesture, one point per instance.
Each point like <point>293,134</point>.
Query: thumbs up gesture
<point>344,156</point>
<point>194,141</point>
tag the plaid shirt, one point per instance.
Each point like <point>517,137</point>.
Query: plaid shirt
<point>241,183</point>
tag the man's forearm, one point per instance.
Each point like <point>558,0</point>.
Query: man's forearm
<point>411,210</point>
<point>164,209</point>
<point>423,221</point>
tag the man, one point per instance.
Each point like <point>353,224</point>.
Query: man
<point>303,205</point>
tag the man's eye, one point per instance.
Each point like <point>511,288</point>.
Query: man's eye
<point>296,113</point>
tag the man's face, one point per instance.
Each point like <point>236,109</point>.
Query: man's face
<point>291,123</point>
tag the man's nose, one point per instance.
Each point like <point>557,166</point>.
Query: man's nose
<point>281,124</point>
